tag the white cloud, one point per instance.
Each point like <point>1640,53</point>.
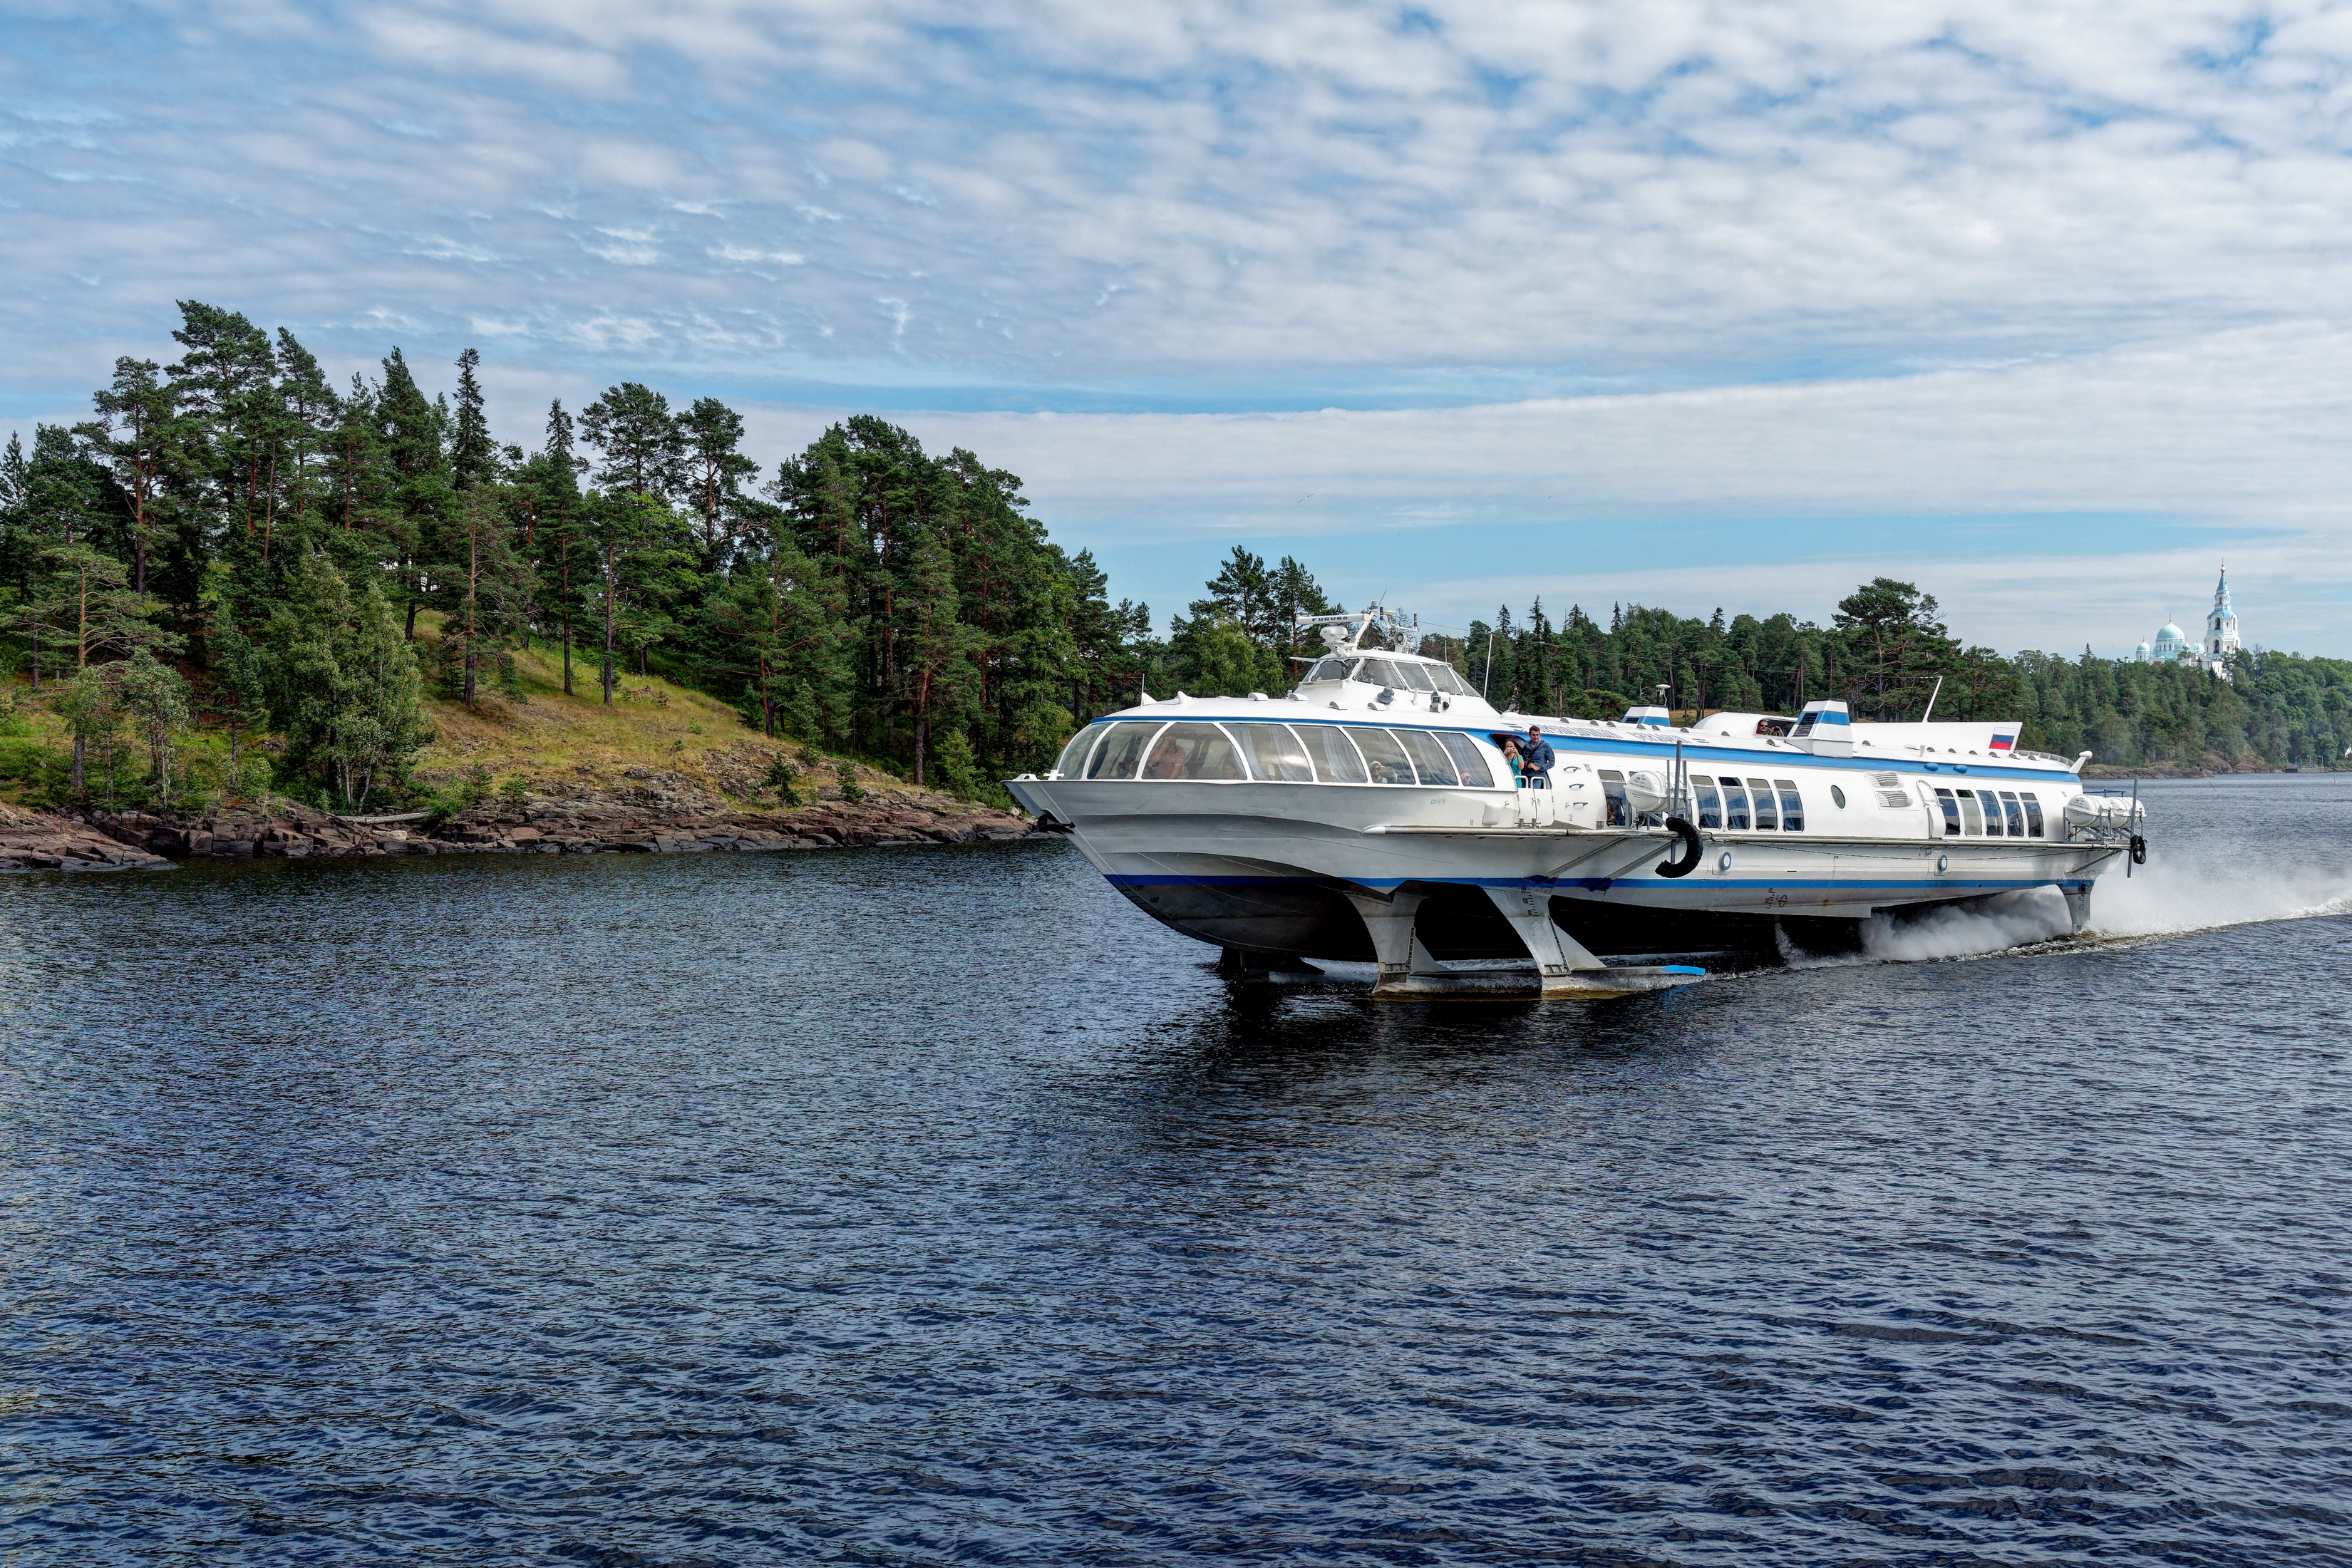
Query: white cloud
<point>1685,189</point>
<point>2121,229</point>
<point>1765,498</point>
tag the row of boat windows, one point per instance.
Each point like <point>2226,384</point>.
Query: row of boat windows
<point>1391,673</point>
<point>1327,753</point>
<point>1275,754</point>
<point>1763,805</point>
<point>1768,806</point>
<point>1990,813</point>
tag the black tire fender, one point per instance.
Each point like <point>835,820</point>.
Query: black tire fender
<point>1691,849</point>
<point>2138,850</point>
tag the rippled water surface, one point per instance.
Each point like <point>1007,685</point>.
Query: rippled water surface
<point>929,1206</point>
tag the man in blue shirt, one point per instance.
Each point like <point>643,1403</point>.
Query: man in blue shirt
<point>1537,757</point>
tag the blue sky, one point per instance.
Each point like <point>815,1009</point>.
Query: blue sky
<point>2040,305</point>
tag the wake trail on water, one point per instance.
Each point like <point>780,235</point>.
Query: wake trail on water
<point>2170,897</point>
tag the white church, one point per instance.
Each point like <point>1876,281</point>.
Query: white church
<point>2173,644</point>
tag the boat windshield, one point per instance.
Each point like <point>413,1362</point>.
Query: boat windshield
<point>1379,672</point>
<point>1448,679</point>
<point>1074,756</point>
<point>1275,753</point>
<point>1327,670</point>
<point>1193,752</point>
<point>1416,677</point>
<point>1119,755</point>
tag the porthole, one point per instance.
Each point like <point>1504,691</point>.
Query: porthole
<point>1723,861</point>
<point>1943,862</point>
<point>1838,795</point>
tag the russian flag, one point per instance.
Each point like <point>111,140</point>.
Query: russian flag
<point>2004,743</point>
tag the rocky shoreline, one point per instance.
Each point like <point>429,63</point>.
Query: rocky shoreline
<point>587,822</point>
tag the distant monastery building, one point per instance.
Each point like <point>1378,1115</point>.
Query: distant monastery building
<point>2173,644</point>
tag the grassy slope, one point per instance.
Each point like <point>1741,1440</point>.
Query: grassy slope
<point>554,743</point>
<point>652,725</point>
<point>550,740</point>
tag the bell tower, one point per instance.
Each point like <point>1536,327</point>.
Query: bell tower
<point>2221,623</point>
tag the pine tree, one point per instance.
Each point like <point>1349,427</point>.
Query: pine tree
<point>313,414</point>
<point>484,590</point>
<point>937,645</point>
<point>548,488</point>
<point>155,698</point>
<point>710,436</point>
<point>639,560</point>
<point>85,703</point>
<point>473,456</point>
<point>341,682</point>
<point>780,618</point>
<point>84,603</point>
<point>1895,646</point>
<point>644,452</point>
<point>136,434</point>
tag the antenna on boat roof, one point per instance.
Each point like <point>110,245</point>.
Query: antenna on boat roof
<point>1931,699</point>
<point>1361,620</point>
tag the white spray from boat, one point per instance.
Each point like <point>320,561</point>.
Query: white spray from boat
<point>2168,896</point>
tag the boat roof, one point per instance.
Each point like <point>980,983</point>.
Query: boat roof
<point>1932,747</point>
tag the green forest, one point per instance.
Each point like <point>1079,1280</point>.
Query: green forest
<point>1887,654</point>
<point>238,576</point>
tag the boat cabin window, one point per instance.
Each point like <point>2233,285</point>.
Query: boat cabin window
<point>1612,789</point>
<point>1951,812</point>
<point>1333,753</point>
<point>1767,813</point>
<point>1429,758</point>
<point>1415,676</point>
<point>1467,758</point>
<point>1735,804</point>
<point>1773,726</point>
<point>1384,757</point>
<point>1448,679</point>
<point>2012,809</point>
<point>1793,806</point>
<point>1275,753</point>
<point>1193,752</point>
<point>1379,672</point>
<point>1710,805</point>
<point>2032,804</point>
<point>1327,670</point>
<point>1121,753</point>
<point>1972,815</point>
<point>1073,761</point>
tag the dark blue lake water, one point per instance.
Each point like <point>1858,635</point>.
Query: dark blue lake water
<point>933,1206</point>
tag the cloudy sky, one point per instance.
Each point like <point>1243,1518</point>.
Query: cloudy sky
<point>2043,306</point>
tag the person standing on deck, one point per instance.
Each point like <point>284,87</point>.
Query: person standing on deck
<point>1535,754</point>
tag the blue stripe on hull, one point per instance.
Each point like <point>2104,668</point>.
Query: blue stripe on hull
<point>1693,751</point>
<point>1587,884</point>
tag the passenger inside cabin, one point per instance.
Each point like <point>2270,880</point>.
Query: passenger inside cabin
<point>1167,760</point>
<point>1516,764</point>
